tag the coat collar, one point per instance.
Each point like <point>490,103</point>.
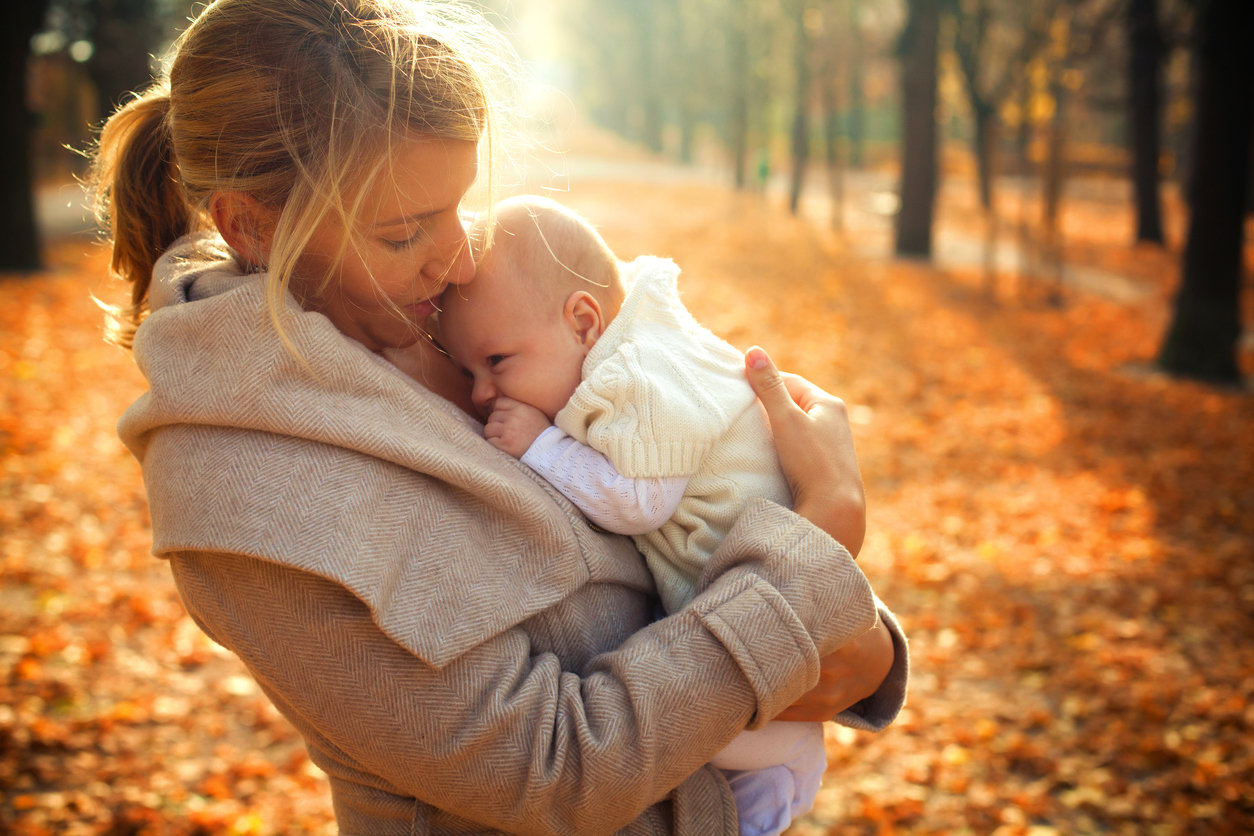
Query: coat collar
<point>233,422</point>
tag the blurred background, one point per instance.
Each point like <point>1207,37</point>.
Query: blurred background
<point>833,102</point>
<point>1014,236</point>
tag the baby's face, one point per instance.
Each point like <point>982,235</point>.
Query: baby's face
<point>504,338</point>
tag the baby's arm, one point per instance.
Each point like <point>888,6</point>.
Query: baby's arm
<point>583,475</point>
<point>589,480</point>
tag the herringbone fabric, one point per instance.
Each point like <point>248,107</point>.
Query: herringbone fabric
<point>461,651</point>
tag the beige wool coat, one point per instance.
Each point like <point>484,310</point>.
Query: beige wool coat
<point>460,650</point>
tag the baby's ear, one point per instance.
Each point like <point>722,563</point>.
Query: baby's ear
<point>583,314</point>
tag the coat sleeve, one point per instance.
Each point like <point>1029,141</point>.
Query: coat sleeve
<point>504,736</point>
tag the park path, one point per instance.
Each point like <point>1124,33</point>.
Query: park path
<point>870,201</point>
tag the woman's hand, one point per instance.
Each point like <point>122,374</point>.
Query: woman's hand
<point>850,674</point>
<point>815,447</point>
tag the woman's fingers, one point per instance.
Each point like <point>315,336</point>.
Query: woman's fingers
<point>769,384</point>
<point>815,447</point>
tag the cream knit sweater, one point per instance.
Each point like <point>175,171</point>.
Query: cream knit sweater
<point>663,397</point>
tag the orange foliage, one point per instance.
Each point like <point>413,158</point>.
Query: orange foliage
<point>1066,536</point>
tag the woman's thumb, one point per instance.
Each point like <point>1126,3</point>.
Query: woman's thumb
<point>766,381</point>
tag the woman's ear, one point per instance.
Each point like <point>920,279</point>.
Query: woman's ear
<point>246,224</point>
<point>583,314</point>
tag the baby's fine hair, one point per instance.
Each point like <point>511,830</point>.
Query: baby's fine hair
<point>557,249</point>
<point>295,103</point>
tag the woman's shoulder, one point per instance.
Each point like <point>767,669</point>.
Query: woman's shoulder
<point>445,555</point>
<point>196,266</point>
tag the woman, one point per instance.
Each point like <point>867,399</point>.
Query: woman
<point>460,650</point>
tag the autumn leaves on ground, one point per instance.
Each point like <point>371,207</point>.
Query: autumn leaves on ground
<point>1067,537</point>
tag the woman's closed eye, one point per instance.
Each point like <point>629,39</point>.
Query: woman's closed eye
<point>408,242</point>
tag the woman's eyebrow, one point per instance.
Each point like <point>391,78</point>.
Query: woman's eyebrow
<point>410,220</point>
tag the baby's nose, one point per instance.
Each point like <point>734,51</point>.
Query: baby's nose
<point>483,396</point>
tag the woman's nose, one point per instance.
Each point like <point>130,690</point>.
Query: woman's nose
<point>454,263</point>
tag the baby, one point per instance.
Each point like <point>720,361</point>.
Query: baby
<point>594,374</point>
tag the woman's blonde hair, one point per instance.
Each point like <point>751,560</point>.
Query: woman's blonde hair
<point>295,103</point>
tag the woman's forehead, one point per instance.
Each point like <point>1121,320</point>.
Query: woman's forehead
<point>420,177</point>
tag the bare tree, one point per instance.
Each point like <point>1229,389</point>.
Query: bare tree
<point>801,103</point>
<point>918,50</point>
<point>17,208</point>
<point>1077,32</point>
<point>857,93</point>
<point>834,37</point>
<point>1206,323</point>
<point>1145,63</point>
<point>124,33</point>
<point>739,86</point>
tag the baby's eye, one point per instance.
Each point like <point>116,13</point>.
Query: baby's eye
<point>495,358</point>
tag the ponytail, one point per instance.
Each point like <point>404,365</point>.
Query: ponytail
<point>139,199</point>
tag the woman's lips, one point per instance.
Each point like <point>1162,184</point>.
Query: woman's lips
<point>421,310</point>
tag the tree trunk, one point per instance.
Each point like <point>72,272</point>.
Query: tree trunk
<point>801,116</point>
<point>985,151</point>
<point>918,52</point>
<point>985,146</point>
<point>649,129</point>
<point>1023,142</point>
<point>970,47</point>
<point>831,140</point>
<point>1144,101</point>
<point>1055,176</point>
<point>857,96</point>
<point>124,34</point>
<point>687,133</point>
<point>638,88</point>
<point>1201,340</point>
<point>738,107</point>
<point>17,205</point>
<point>688,97</point>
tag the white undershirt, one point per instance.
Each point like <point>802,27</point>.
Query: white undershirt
<point>589,480</point>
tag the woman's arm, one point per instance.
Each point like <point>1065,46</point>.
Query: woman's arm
<point>863,683</point>
<point>506,736</point>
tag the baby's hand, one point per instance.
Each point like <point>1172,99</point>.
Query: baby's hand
<point>514,425</point>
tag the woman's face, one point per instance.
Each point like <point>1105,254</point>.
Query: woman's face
<point>410,245</point>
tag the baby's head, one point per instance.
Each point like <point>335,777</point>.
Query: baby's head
<point>545,289</point>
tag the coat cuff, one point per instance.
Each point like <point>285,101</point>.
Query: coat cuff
<point>769,643</point>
